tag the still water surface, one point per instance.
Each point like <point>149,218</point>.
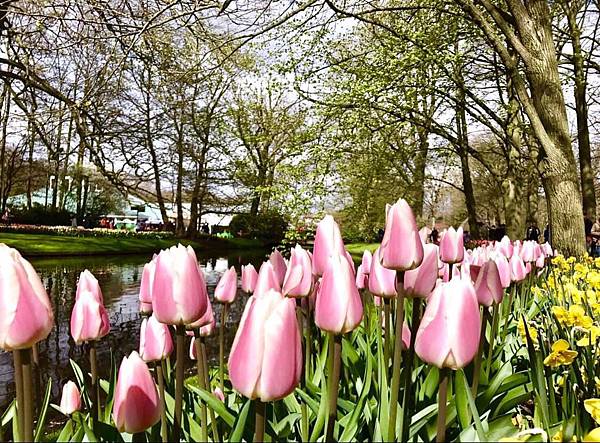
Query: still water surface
<point>119,278</point>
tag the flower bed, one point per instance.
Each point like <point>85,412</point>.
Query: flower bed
<point>69,231</point>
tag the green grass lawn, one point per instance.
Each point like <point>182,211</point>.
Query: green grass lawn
<point>357,249</point>
<point>35,245</point>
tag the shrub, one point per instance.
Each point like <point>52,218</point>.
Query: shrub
<point>267,226</point>
<point>39,215</point>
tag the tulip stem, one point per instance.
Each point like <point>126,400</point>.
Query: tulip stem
<point>387,332</point>
<point>397,361</point>
<point>335,360</point>
<point>477,362</point>
<point>307,351</point>
<point>222,346</point>
<point>407,399</point>
<point>95,387</point>
<point>213,422</point>
<point>27,396</point>
<point>508,311</point>
<point>19,388</point>
<point>37,375</point>
<point>259,426</point>
<point>180,352</point>
<point>163,412</point>
<point>202,383</point>
<point>493,332</point>
<point>442,400</point>
<point>139,437</point>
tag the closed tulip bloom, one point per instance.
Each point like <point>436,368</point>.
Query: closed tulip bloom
<point>367,257</point>
<point>503,266</point>
<point>146,287</point>
<point>267,279</point>
<point>488,286</point>
<point>401,247</point>
<point>338,308</point>
<point>298,281</point>
<point>452,248</point>
<point>362,279</point>
<point>328,242</point>
<point>136,406</point>
<point>207,318</point>
<point>540,261</point>
<point>226,289</point>
<point>179,295</point>
<point>89,319</point>
<point>527,252</point>
<point>406,334</point>
<point>420,282</point>
<point>547,249</point>
<point>155,340</point>
<point>204,331</point>
<point>448,336</point>
<point>424,233</point>
<point>505,247</point>
<point>249,277</point>
<point>70,401</point>
<point>517,245</point>
<point>518,270</point>
<point>219,394</point>
<point>279,265</point>
<point>26,311</point>
<point>87,282</point>
<point>382,281</point>
<point>266,356</point>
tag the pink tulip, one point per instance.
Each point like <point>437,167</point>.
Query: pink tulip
<point>155,340</point>
<point>267,279</point>
<point>547,249</point>
<point>451,246</point>
<point>367,257</point>
<point>503,266</point>
<point>540,261</point>
<point>338,308</point>
<point>279,265</point>
<point>179,295</point>
<point>382,281</point>
<point>527,252</point>
<point>207,318</point>
<point>420,282</point>
<point>87,282</point>
<point>401,247</point>
<point>298,279</point>
<point>362,279</point>
<point>219,394</point>
<point>26,314</point>
<point>146,287</point>
<point>249,277</point>
<point>488,286</point>
<point>505,247</point>
<point>406,334</point>
<point>136,405</point>
<point>89,319</point>
<point>70,401</point>
<point>328,242</point>
<point>518,270</point>
<point>448,336</point>
<point>208,329</point>
<point>424,233</point>
<point>266,356</point>
<point>226,289</point>
<point>446,277</point>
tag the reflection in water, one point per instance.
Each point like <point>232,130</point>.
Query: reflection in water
<point>119,278</point>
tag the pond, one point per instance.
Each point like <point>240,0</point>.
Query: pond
<point>119,278</point>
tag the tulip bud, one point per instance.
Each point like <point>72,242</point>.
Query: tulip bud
<point>279,265</point>
<point>362,279</point>
<point>382,281</point>
<point>249,277</point>
<point>87,282</point>
<point>89,319</point>
<point>136,406</point>
<point>26,314</point>
<point>424,233</point>
<point>219,394</point>
<point>70,400</point>
<point>328,242</point>
<point>207,318</point>
<point>503,268</point>
<point>518,270</point>
<point>488,286</point>
<point>179,295</point>
<point>298,279</point>
<point>547,249</point>
<point>226,289</point>
<point>448,336</point>
<point>401,247</point>
<point>420,282</point>
<point>527,252</point>
<point>155,340</point>
<point>505,247</point>
<point>338,308</point>
<point>367,258</point>
<point>266,356</point>
<point>452,248</point>
<point>406,334</point>
<point>267,279</point>
<point>146,287</point>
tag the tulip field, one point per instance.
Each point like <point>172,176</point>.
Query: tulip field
<point>421,342</point>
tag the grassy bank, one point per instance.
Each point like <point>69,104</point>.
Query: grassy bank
<point>357,249</point>
<point>39,245</point>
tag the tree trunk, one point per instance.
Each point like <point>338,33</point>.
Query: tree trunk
<point>5,104</point>
<point>179,225</point>
<point>419,172</point>
<point>583,132</point>
<point>192,228</point>
<point>65,164</point>
<point>57,152</point>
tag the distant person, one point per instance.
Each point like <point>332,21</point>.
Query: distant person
<point>533,232</point>
<point>6,217</point>
<point>547,233</point>
<point>587,224</point>
<point>595,234</point>
<point>434,236</point>
<point>380,233</point>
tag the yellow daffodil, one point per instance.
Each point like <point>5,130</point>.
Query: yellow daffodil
<point>560,355</point>
<point>591,337</point>
<point>593,435</point>
<point>592,405</point>
<point>533,333</point>
<point>561,314</point>
<point>578,317</point>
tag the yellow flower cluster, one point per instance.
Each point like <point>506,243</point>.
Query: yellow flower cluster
<point>560,355</point>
